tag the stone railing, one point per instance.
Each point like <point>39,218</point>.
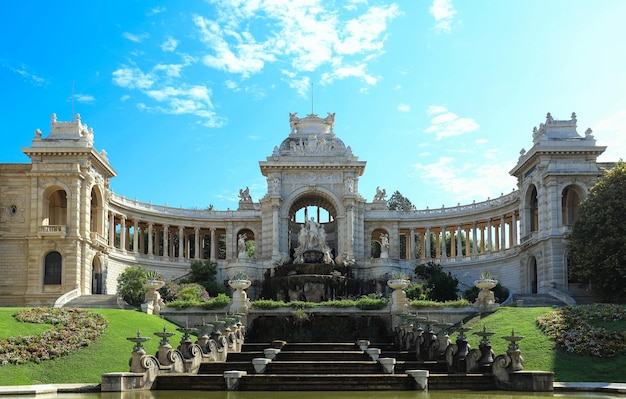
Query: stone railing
<point>51,231</point>
<point>163,210</point>
<point>65,298</point>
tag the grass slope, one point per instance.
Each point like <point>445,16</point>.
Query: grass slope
<point>110,353</point>
<point>538,349</point>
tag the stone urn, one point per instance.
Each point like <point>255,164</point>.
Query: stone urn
<point>486,298</point>
<point>153,303</point>
<point>398,296</point>
<point>240,302</point>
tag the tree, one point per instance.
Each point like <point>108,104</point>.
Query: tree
<point>205,273</point>
<point>398,202</point>
<point>597,245</point>
<point>130,285</point>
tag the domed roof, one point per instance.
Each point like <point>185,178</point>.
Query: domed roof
<point>312,135</point>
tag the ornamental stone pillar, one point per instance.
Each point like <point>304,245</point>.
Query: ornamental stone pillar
<point>166,241</point>
<point>196,239</point>
<point>123,233</point>
<point>181,239</point>
<point>412,254</point>
<point>136,236</point>
<point>212,245</point>
<point>112,230</point>
<point>427,255</point>
<point>150,243</point>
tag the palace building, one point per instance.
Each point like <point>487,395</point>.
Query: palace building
<point>64,232</point>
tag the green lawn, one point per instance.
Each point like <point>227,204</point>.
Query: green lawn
<point>110,353</point>
<point>538,349</point>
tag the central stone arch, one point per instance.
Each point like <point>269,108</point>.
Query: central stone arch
<point>324,207</point>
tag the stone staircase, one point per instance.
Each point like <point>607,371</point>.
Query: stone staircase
<point>323,367</point>
<point>97,301</point>
<point>536,300</point>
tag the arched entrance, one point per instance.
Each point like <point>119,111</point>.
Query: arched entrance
<point>318,210</point>
<point>97,284</point>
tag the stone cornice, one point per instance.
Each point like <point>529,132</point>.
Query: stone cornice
<point>96,158</point>
<point>531,156</point>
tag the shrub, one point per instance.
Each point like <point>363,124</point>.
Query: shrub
<point>130,285</point>
<point>220,301</point>
<point>440,285</point>
<point>415,291</point>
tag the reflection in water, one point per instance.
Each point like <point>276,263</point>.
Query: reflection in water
<point>332,395</point>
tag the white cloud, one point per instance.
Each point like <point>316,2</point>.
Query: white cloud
<point>155,10</point>
<point>132,78</point>
<point>135,38</point>
<point>447,124</point>
<point>404,108</point>
<point>169,44</point>
<point>84,98</point>
<point>305,34</point>
<point>124,98</point>
<point>467,181</point>
<point>172,70</point>
<point>444,13</point>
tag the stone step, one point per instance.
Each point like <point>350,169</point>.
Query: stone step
<point>96,301</point>
<point>536,300</point>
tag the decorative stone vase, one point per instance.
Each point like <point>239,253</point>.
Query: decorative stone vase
<point>240,302</point>
<point>486,298</point>
<point>398,296</point>
<point>153,302</point>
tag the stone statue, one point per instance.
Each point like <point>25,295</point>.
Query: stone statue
<point>244,195</point>
<point>384,246</point>
<point>293,121</point>
<point>380,194</point>
<point>312,237</point>
<point>241,245</point>
<point>330,120</point>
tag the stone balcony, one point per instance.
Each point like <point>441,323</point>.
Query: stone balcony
<point>51,231</point>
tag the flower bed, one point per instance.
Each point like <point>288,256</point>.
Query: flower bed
<point>573,330</point>
<point>71,330</point>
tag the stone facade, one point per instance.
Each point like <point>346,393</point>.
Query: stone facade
<point>62,230</point>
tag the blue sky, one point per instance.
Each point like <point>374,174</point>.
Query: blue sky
<point>438,97</point>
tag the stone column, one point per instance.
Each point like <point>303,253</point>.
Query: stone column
<point>150,243</point>
<point>181,239</point>
<point>275,229</point>
<point>212,254</point>
<point>474,239</point>
<point>136,236</point>
<point>443,243</point>
<point>412,244</point>
<point>196,239</point>
<point>502,234</point>
<point>489,237</point>
<point>459,242</point>
<point>427,243</point>
<point>166,240</point>
<point>123,233</point>
<point>112,230</point>
<point>514,241</point>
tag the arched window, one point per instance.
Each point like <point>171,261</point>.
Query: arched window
<point>55,208</point>
<point>534,211</point>
<point>52,269</point>
<point>570,200</point>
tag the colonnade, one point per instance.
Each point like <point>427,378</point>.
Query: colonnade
<point>157,239</point>
<point>468,239</point>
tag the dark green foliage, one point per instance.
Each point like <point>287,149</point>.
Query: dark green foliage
<point>597,245</point>
<point>317,328</point>
<point>204,273</point>
<point>398,202</point>
<point>440,285</point>
<point>415,291</point>
<point>501,293</point>
<point>130,285</point>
